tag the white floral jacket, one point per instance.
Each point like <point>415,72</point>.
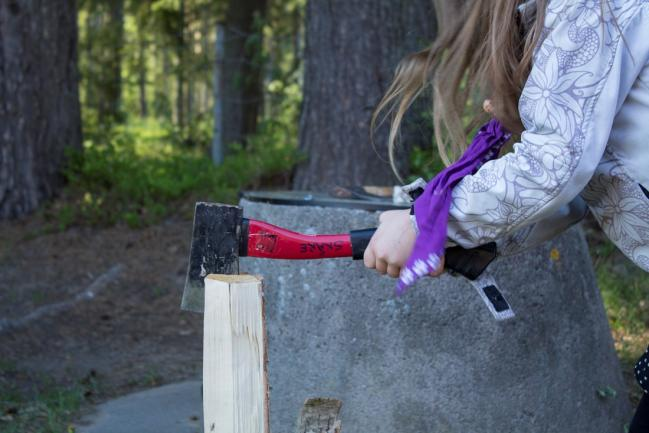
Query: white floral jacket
<point>585,109</point>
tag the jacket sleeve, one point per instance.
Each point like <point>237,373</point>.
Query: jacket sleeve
<point>541,231</point>
<point>581,74</point>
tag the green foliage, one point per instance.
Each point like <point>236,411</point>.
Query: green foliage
<point>142,160</point>
<point>101,47</point>
<point>625,291</point>
<point>424,163</point>
<point>145,155</point>
<point>626,295</point>
<point>137,175</point>
<point>49,409</point>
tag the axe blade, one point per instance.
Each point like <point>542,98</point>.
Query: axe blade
<point>214,250</point>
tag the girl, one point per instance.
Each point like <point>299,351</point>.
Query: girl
<point>571,79</point>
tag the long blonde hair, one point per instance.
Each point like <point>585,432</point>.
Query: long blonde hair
<point>484,49</point>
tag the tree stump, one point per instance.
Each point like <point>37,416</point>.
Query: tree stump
<point>320,415</point>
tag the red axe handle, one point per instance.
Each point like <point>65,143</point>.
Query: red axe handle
<point>261,239</point>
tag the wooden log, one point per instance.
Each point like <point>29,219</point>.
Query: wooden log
<point>320,415</point>
<point>235,380</point>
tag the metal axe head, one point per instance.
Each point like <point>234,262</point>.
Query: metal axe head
<point>215,249</point>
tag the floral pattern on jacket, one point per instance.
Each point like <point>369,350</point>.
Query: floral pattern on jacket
<point>578,82</point>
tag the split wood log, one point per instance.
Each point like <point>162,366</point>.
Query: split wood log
<point>235,380</point>
<point>320,415</point>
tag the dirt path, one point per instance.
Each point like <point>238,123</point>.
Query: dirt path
<point>131,334</point>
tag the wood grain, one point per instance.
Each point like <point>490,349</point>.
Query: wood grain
<point>235,384</point>
<point>320,415</point>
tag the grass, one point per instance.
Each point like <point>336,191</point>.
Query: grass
<point>48,412</point>
<point>625,291</point>
<point>49,408</point>
<point>626,297</point>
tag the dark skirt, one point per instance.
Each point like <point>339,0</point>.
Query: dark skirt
<point>640,422</point>
<point>642,371</point>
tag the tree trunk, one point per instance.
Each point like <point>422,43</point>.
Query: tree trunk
<point>180,70</point>
<point>190,102</point>
<point>164,102</point>
<point>242,71</point>
<point>142,69</point>
<point>352,49</point>
<point>117,25</point>
<point>217,133</point>
<point>39,100</point>
<point>206,89</point>
<point>110,105</point>
<point>92,23</point>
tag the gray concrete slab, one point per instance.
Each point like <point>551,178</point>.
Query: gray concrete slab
<point>174,408</point>
<point>434,360</point>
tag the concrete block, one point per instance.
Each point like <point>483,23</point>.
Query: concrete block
<point>435,360</point>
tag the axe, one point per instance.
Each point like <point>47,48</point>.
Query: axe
<point>221,235</point>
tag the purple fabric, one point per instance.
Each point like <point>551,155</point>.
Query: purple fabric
<point>432,207</point>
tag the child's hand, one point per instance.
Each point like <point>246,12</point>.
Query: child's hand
<point>392,243</point>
